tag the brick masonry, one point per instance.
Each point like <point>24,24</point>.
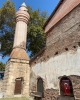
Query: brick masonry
<point>65,34</point>
<point>62,46</point>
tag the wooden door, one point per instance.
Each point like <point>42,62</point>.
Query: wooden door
<point>18,85</point>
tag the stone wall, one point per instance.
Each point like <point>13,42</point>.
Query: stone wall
<point>65,64</point>
<point>16,68</point>
<point>76,85</point>
<point>63,37</point>
<point>61,56</point>
<point>65,34</point>
<point>50,94</point>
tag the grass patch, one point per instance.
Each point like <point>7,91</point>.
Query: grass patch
<point>15,98</point>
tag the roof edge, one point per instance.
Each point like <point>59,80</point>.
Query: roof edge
<point>54,11</point>
<point>40,52</point>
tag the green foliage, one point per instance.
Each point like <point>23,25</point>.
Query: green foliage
<point>2,66</point>
<point>36,35</point>
<point>7,27</point>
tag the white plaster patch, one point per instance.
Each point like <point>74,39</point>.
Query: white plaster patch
<point>65,64</point>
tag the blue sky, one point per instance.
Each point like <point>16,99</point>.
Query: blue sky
<point>43,5</point>
<point>47,5</point>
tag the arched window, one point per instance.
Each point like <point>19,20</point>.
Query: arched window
<point>66,88</point>
<point>40,87</point>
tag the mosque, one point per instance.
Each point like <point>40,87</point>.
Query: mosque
<point>54,73</point>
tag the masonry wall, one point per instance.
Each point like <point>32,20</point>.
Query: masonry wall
<point>61,56</point>
<point>16,68</point>
<point>65,32</point>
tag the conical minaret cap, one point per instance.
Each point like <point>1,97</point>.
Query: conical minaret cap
<point>23,4</point>
<point>23,7</point>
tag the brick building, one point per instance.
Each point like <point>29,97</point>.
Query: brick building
<point>55,71</point>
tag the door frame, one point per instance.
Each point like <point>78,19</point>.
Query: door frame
<point>16,84</point>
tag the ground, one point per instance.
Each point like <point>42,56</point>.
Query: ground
<point>14,99</point>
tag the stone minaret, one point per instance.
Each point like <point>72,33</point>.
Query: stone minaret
<point>19,46</point>
<point>17,72</point>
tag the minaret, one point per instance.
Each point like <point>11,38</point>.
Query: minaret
<point>19,46</point>
<point>17,72</point>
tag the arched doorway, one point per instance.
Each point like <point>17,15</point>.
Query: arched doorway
<point>18,86</point>
<point>66,88</point>
<point>40,87</point>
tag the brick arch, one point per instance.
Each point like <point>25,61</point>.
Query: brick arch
<point>66,88</point>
